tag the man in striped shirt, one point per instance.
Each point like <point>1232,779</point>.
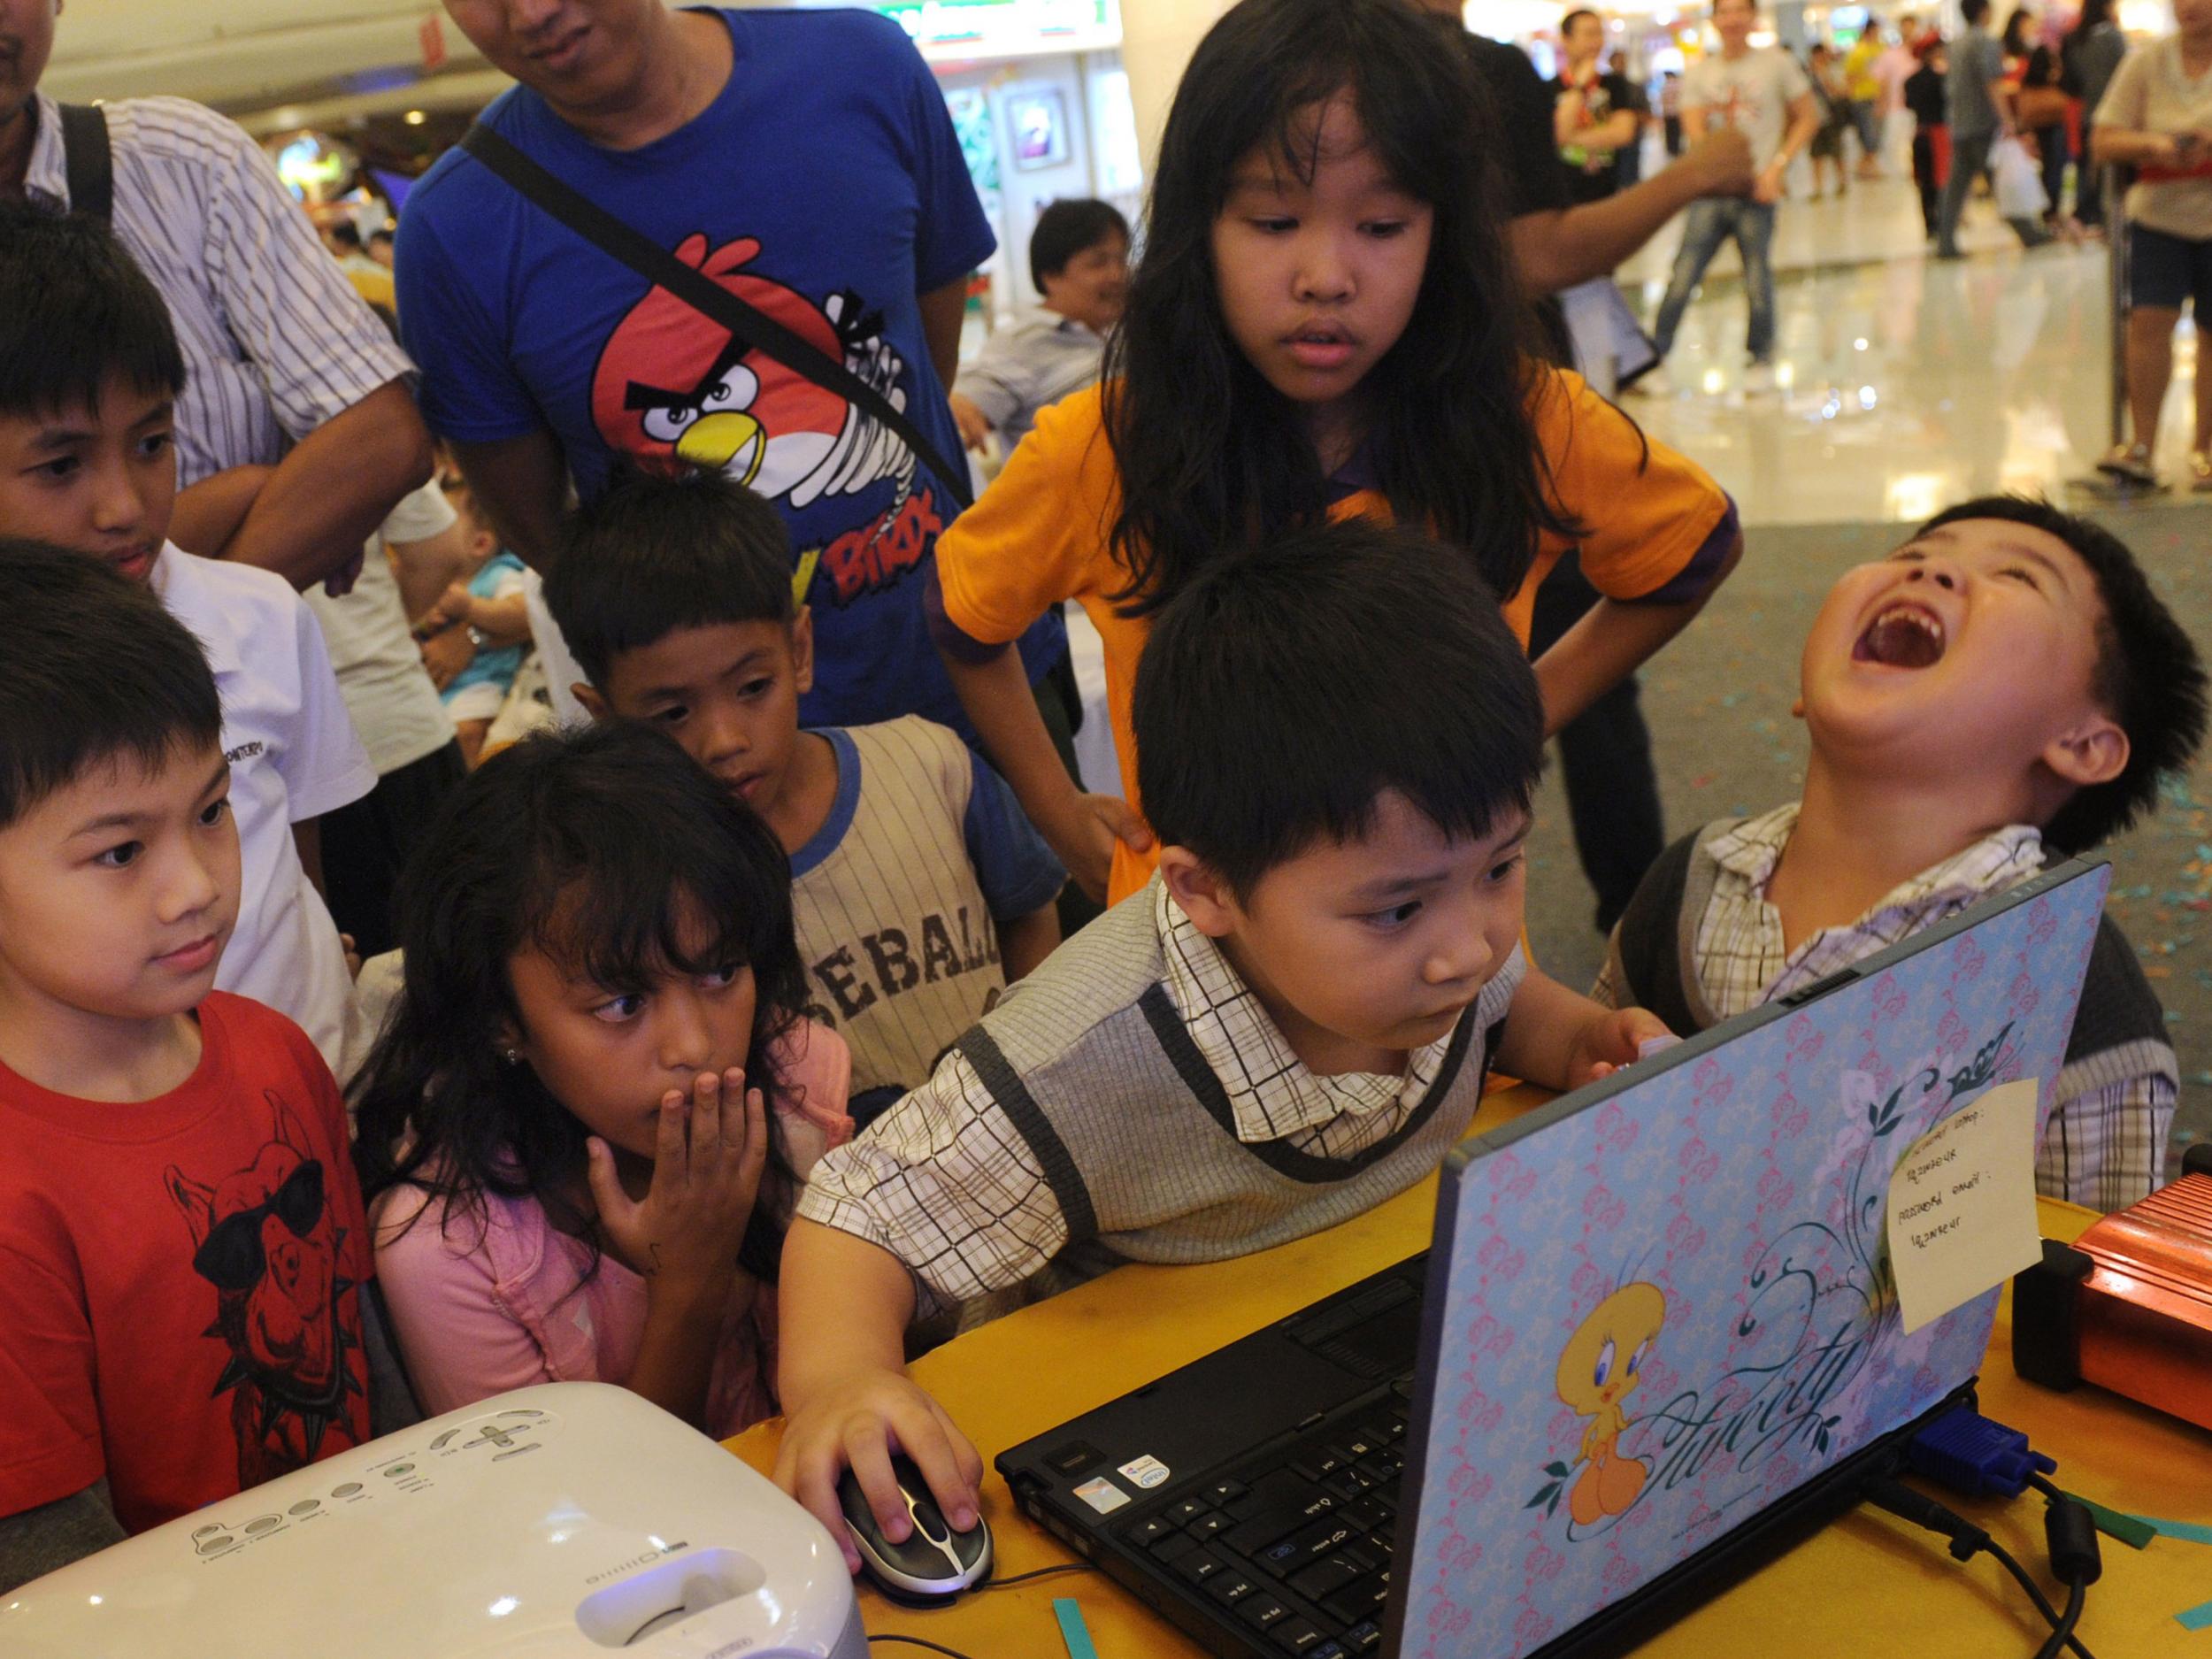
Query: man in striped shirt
<point>296,430</point>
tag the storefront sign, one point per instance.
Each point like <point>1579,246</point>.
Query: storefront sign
<point>964,30</point>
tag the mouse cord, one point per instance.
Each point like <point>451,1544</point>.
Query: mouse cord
<point>996,1584</point>
<point>1041,1572</point>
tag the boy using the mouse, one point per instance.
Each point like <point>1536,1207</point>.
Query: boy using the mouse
<point>2004,688</point>
<point>920,890</point>
<point>1289,1023</point>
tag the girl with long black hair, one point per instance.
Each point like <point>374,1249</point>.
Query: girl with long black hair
<point>1325,321</point>
<point>585,1126</point>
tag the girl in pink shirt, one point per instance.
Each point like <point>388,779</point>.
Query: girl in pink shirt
<point>582,1134</point>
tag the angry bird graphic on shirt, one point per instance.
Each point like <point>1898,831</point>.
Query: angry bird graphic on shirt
<point>673,383</point>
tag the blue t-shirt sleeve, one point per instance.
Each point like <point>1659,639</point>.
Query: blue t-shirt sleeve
<point>469,389</point>
<point>1017,873</point>
<point>952,237</point>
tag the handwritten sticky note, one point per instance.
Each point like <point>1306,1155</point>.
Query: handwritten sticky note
<point>1962,1205</point>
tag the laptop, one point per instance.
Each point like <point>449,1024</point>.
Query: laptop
<point>1429,1464</point>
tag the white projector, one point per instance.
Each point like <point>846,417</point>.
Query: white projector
<point>551,1522</point>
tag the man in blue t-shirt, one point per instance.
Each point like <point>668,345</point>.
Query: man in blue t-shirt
<point>803,159</point>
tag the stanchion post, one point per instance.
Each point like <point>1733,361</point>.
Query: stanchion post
<point>2116,183</point>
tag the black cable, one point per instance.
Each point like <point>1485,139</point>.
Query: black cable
<point>916,1641</point>
<point>1967,1540</point>
<point>2006,1560</point>
<point>1041,1572</point>
<point>2063,1632</point>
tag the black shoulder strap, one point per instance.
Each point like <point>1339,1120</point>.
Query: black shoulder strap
<point>90,163</point>
<point>745,322</point>
<point>1648,931</point>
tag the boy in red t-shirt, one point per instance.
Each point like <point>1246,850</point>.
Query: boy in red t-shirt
<point>181,1240</point>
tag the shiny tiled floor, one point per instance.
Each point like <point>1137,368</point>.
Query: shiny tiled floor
<point>1905,383</point>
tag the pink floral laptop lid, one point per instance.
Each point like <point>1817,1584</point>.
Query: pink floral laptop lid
<point>1662,1305</point>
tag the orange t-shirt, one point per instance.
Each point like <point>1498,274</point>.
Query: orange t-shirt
<point>1041,534</point>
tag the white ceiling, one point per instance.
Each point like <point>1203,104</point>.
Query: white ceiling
<point>235,53</point>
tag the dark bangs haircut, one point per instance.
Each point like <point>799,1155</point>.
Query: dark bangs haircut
<point>76,312</point>
<point>93,672</point>
<point>1287,687</point>
<point>608,849</point>
<point>2149,677</point>
<point>1068,227</point>
<point>658,550</point>
<point>1210,457</point>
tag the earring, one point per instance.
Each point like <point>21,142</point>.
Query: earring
<point>512,1056</point>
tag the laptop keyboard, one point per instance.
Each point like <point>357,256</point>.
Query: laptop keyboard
<point>1297,1545</point>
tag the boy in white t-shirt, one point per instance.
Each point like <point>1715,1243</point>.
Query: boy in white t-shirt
<point>1764,95</point>
<point>89,370</point>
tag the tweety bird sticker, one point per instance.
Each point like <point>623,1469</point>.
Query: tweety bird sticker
<point>1600,1367</point>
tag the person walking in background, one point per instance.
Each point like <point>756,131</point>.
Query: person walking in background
<point>1764,94</point>
<point>1671,110</point>
<point>2090,56</point>
<point>2018,42</point>
<point>1824,72</point>
<point>1976,108</point>
<point>2039,110</point>
<point>1931,138</point>
<point>1862,90</point>
<point>2156,117</point>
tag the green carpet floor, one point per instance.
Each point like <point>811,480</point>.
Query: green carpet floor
<point>1718,703</point>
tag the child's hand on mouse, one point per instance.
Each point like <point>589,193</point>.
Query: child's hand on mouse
<point>1611,1041</point>
<point>706,1174</point>
<point>856,1422</point>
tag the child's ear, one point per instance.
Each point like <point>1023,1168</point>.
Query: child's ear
<point>802,649</point>
<point>1205,896</point>
<point>594,705</point>
<point>2095,751</point>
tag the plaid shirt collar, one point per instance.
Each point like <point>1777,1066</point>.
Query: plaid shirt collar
<point>1271,1092</point>
<point>1741,959</point>
<point>2000,859</point>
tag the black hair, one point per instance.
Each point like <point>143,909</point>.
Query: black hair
<point>1287,687</point>
<point>599,846</point>
<point>382,232</point>
<point>1209,455</point>
<point>1567,23</point>
<point>1068,227</point>
<point>1972,11</point>
<point>76,312</point>
<point>346,235</point>
<point>97,673</point>
<point>2042,69</point>
<point>660,551</point>
<point>2149,676</point>
<point>2015,35</point>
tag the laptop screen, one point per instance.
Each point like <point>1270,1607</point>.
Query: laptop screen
<point>1667,1300</point>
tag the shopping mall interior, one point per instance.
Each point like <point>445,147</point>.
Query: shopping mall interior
<point>1903,377</point>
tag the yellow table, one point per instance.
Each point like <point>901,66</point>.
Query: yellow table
<point>1867,1585</point>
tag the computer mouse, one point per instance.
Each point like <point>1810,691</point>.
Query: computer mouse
<point>933,1563</point>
